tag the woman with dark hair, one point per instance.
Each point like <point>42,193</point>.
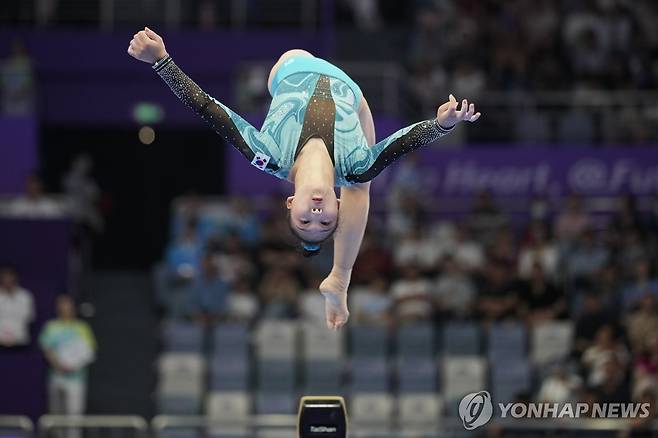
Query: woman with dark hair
<point>318,134</point>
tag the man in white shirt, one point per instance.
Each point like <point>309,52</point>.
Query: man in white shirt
<point>16,310</point>
<point>34,204</point>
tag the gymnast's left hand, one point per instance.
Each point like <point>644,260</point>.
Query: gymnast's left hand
<point>147,46</point>
<point>334,289</point>
<point>448,115</point>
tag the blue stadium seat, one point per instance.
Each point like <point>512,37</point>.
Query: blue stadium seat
<point>268,403</point>
<point>461,339</point>
<point>227,339</point>
<point>507,340</point>
<point>182,337</point>
<point>323,377</point>
<point>368,341</point>
<point>370,375</point>
<point>415,340</point>
<point>508,380</point>
<point>229,373</point>
<point>417,375</point>
<point>276,376</point>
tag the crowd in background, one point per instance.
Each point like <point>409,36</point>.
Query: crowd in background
<point>560,264</point>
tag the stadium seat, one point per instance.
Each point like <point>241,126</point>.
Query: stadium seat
<point>276,340</point>
<point>461,339</point>
<point>423,409</point>
<point>507,340</point>
<point>416,375</point>
<point>369,375</point>
<point>179,336</point>
<point>276,375</point>
<point>551,342</point>
<point>323,377</point>
<point>275,403</point>
<point>415,340</point>
<point>460,376</point>
<point>374,410</point>
<point>368,341</point>
<point>181,364</point>
<point>230,339</point>
<point>510,379</point>
<point>321,344</point>
<point>229,407</point>
<point>229,373</point>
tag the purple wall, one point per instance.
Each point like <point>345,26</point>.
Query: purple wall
<point>39,252</point>
<point>19,146</point>
<point>86,77</point>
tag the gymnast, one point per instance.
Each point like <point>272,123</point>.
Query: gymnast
<point>318,134</point>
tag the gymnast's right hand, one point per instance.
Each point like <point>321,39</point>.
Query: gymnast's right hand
<point>147,46</point>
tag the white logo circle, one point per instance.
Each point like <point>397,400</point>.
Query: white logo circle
<point>475,409</point>
<point>588,175</point>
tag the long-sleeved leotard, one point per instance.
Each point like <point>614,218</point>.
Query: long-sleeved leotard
<point>305,105</point>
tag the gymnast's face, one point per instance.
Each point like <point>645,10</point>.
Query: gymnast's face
<point>313,213</point>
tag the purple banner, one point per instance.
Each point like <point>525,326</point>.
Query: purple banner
<point>503,171</point>
<point>18,142</point>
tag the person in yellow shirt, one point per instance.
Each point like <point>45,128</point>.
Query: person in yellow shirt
<point>69,346</point>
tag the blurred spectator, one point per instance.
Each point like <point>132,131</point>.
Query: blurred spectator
<point>35,204</point>
<point>411,295</point>
<point>606,350</point>
<point>415,248</point>
<point>485,217</point>
<point>572,221</point>
<point>560,386</point>
<point>69,346</point>
<point>17,82</point>
<point>184,255</point>
<point>642,322</point>
<point>371,303</point>
<point>499,294</point>
<point>642,283</point>
<point>539,249</point>
<point>83,193</point>
<point>191,212</point>
<point>540,299</point>
<point>646,365</point>
<point>366,13</point>
<point>16,310</point>
<point>627,217</point>
<point>242,304</point>
<point>586,258</point>
<point>592,317</point>
<point>244,221</point>
<point>208,294</point>
<point>232,259</point>
<point>279,290</point>
<point>455,292</point>
<point>373,260</point>
<point>612,387</point>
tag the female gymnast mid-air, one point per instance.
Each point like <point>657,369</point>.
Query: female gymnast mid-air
<point>318,134</point>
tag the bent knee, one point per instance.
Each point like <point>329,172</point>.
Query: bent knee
<point>285,56</point>
<point>294,52</point>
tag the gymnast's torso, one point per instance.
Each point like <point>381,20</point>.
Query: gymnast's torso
<point>311,98</point>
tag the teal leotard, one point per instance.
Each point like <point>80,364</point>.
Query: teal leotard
<point>310,98</point>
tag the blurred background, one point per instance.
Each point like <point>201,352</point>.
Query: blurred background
<point>149,279</point>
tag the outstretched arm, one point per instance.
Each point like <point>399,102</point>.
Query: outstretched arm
<point>384,153</point>
<point>256,146</point>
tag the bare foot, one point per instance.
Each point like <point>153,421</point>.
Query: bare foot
<point>335,294</point>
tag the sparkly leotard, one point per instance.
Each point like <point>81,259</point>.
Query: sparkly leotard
<point>305,104</point>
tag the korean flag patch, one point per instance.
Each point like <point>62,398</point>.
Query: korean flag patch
<point>260,161</point>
